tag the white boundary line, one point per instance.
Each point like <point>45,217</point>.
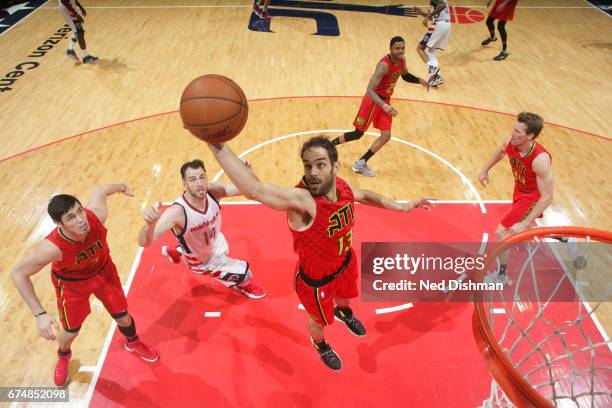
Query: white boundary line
<point>483,243</point>
<point>24,18</point>
<point>462,177</point>
<point>243,6</point>
<point>250,202</point>
<point>109,335</point>
<point>384,310</point>
<point>590,5</point>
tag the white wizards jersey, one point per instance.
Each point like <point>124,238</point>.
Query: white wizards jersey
<point>201,238</point>
<point>444,15</point>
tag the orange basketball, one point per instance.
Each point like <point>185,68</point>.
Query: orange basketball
<point>214,108</point>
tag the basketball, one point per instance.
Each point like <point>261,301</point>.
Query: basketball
<point>214,108</point>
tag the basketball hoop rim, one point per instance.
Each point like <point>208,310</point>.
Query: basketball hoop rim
<point>520,392</point>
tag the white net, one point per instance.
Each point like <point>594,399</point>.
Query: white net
<point>546,321</point>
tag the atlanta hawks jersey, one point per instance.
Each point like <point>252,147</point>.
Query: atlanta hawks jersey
<point>322,247</point>
<point>386,86</point>
<point>525,179</point>
<point>81,260</point>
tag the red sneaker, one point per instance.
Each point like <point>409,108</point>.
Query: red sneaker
<point>251,290</point>
<point>60,375</point>
<point>142,350</point>
<point>172,253</point>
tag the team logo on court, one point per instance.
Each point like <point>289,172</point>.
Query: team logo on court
<point>327,23</point>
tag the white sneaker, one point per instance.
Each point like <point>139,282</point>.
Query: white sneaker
<point>361,166</point>
<point>433,73</point>
<point>437,81</point>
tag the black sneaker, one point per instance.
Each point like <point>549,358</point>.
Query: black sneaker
<point>353,324</point>
<point>488,41</point>
<point>328,355</point>
<point>72,55</point>
<point>89,59</point>
<point>502,56</point>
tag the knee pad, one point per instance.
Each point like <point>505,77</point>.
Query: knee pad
<point>354,135</point>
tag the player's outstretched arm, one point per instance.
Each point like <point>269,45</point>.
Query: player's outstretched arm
<point>278,198</point>
<point>499,154</point>
<point>221,190</point>
<point>413,79</point>
<point>97,202</point>
<point>31,264</point>
<point>158,222</point>
<point>373,199</point>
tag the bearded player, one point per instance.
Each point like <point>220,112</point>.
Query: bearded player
<point>320,217</point>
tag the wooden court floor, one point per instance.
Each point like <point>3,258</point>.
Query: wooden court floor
<point>122,114</point>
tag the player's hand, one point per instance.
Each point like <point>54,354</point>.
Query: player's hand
<point>126,190</point>
<point>483,178</point>
<point>152,214</point>
<point>424,203</point>
<point>46,323</point>
<point>518,227</point>
<point>424,83</point>
<point>389,110</point>
<point>215,147</point>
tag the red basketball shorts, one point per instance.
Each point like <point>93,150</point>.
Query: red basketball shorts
<point>73,296</point>
<point>370,112</point>
<point>507,13</point>
<point>521,208</point>
<point>319,302</point>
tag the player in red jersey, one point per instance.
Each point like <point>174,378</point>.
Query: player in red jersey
<point>80,266</point>
<point>503,11</point>
<point>320,218</point>
<point>376,104</point>
<point>533,177</point>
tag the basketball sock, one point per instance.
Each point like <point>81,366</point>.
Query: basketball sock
<point>431,55</point>
<point>63,353</point>
<point>71,43</point>
<point>501,27</point>
<point>367,156</point>
<point>491,27</point>
<point>129,331</point>
<point>502,269</point>
<point>85,52</point>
